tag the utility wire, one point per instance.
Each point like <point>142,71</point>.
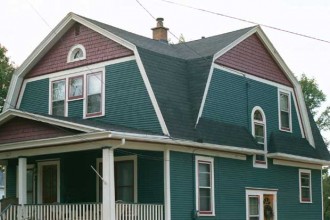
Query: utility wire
<point>247,21</point>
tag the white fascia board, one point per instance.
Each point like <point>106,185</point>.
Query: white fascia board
<point>294,81</point>
<point>295,158</point>
<point>8,114</point>
<point>55,141</point>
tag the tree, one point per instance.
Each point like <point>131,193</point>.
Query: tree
<point>314,98</point>
<point>6,72</point>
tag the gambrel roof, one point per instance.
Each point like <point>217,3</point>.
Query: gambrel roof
<point>177,77</point>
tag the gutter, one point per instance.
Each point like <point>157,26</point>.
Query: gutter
<point>295,158</point>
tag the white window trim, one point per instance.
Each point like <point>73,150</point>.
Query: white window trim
<point>72,75</point>
<point>264,122</point>
<point>310,185</point>
<point>39,190</point>
<point>211,161</point>
<point>120,158</point>
<point>70,57</point>
<point>102,94</point>
<point>260,193</point>
<point>279,109</point>
<point>50,98</point>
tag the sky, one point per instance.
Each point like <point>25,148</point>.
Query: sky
<point>25,23</point>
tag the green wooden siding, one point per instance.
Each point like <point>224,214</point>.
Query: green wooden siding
<point>76,108</point>
<point>231,177</point>
<point>231,99</point>
<point>35,98</point>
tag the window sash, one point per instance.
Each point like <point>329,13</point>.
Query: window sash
<point>285,111</point>
<point>76,87</point>
<point>205,188</point>
<point>58,97</point>
<point>94,94</point>
<point>305,187</point>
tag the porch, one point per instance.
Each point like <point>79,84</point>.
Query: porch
<point>124,184</point>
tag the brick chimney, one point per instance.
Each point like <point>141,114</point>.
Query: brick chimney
<point>159,32</point>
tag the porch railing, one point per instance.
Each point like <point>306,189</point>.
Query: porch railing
<point>86,211</point>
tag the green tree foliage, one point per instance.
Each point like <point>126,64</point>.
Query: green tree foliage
<point>6,72</point>
<point>314,97</point>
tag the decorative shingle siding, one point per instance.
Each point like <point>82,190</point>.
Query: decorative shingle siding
<point>251,56</point>
<point>98,48</point>
<point>231,177</point>
<point>35,98</point>
<point>231,99</point>
<point>20,129</point>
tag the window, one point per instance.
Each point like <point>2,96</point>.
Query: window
<point>204,186</point>
<point>260,135</point>
<point>94,94</point>
<point>58,98</point>
<point>76,53</point>
<point>261,204</point>
<point>76,87</point>
<point>284,111</point>
<point>254,208</point>
<point>305,186</point>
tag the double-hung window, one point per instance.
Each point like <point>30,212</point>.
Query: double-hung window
<point>284,111</point>
<point>58,98</point>
<point>259,133</point>
<point>76,87</point>
<point>305,186</point>
<point>94,94</point>
<point>254,207</point>
<point>204,186</point>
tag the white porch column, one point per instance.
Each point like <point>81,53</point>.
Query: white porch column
<point>108,184</point>
<point>22,181</point>
<point>167,186</point>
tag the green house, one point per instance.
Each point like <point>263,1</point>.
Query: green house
<point>102,123</point>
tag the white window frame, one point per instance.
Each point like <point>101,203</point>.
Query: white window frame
<point>288,93</point>
<point>94,115</point>
<point>117,159</point>
<point>264,123</point>
<point>260,193</point>
<point>209,160</point>
<point>50,110</point>
<point>72,50</point>
<point>39,190</point>
<point>310,186</point>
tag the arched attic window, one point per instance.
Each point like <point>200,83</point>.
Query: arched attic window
<point>260,135</point>
<point>76,53</point>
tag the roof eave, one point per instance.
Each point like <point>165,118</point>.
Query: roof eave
<point>296,158</point>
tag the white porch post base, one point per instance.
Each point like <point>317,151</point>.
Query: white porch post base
<point>108,185</point>
<point>22,181</point>
<point>167,187</point>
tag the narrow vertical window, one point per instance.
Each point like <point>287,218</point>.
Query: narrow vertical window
<point>305,186</point>
<point>254,208</point>
<point>204,186</point>
<point>94,94</point>
<point>285,112</point>
<point>58,98</point>
<point>76,85</point>
<point>259,133</point>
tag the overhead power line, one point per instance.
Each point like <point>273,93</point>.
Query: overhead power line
<point>246,21</point>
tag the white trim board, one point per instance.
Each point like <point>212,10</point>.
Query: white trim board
<point>296,164</point>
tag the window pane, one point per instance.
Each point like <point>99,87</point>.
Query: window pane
<point>204,180</point>
<point>125,194</point>
<point>204,199</point>
<point>94,84</point>
<point>76,87</point>
<point>94,103</point>
<point>253,206</point>
<point>285,120</point>
<point>305,195</point>
<point>77,53</point>
<point>204,167</point>
<point>254,218</point>
<point>284,102</point>
<point>58,90</point>
<point>58,108</point>
<point>258,116</point>
<point>260,158</point>
<point>304,181</point>
<point>124,180</point>
<point>259,133</point>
